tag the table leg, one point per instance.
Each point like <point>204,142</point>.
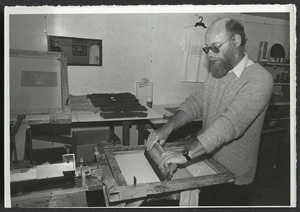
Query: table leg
<point>126,132</point>
<point>141,139</point>
<point>74,143</point>
<point>28,145</point>
<point>111,133</point>
<point>13,148</point>
<point>107,201</point>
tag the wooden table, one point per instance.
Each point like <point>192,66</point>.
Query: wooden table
<point>118,192</point>
<point>80,119</point>
<point>86,117</point>
<point>161,109</point>
<point>57,193</point>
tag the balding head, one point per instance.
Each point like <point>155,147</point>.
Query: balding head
<point>216,32</point>
<point>224,41</point>
<point>224,28</point>
<point>218,26</point>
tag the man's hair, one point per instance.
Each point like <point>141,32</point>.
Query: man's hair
<point>235,27</point>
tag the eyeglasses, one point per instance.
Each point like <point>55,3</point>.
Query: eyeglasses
<point>215,49</point>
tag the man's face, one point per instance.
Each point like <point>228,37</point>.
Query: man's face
<point>222,62</point>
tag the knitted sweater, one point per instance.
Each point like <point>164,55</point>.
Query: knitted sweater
<point>233,110</point>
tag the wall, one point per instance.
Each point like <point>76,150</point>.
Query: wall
<point>135,46</point>
<point>265,29</point>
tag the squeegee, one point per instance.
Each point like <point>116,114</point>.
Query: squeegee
<point>154,157</point>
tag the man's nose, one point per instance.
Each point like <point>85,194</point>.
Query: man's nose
<point>211,54</point>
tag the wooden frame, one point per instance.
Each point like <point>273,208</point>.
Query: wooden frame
<point>79,40</point>
<point>62,81</point>
<point>117,191</point>
<point>77,50</point>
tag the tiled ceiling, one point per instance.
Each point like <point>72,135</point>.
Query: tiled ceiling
<point>284,16</point>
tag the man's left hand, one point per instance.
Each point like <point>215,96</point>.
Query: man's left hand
<point>172,157</point>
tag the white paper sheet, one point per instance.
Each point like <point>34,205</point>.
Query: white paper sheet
<point>136,165</point>
<point>23,176</point>
<point>53,170</point>
<point>200,169</point>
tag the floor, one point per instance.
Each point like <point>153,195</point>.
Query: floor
<point>272,188</point>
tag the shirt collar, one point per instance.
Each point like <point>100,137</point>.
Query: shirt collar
<point>239,68</point>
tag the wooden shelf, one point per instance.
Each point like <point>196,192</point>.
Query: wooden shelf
<point>275,119</point>
<point>274,129</point>
<point>278,100</point>
<point>275,64</point>
<point>279,103</point>
<point>281,83</point>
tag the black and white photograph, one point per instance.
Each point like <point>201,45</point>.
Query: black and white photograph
<point>150,106</point>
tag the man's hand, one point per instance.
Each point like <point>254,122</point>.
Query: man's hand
<point>172,157</point>
<point>160,135</point>
<point>179,119</point>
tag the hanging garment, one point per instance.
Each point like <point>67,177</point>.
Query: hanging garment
<point>94,54</point>
<point>195,61</point>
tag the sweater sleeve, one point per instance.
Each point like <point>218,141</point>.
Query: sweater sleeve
<point>192,105</point>
<point>251,100</point>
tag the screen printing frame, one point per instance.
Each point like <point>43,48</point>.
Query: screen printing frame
<point>62,81</point>
<point>117,190</point>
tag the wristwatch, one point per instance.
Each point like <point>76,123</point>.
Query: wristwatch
<point>185,153</point>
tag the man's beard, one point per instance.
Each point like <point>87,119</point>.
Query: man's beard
<point>220,68</point>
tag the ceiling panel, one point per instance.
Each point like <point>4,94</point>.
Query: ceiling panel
<point>284,16</point>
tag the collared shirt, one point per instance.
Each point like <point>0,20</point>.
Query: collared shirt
<point>239,68</point>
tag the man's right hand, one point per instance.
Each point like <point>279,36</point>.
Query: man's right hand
<point>179,119</point>
<point>160,135</point>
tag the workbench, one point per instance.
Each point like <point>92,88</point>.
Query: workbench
<point>77,120</point>
<point>51,197</point>
<point>110,179</point>
<point>126,184</point>
<point>87,119</point>
<point>55,193</point>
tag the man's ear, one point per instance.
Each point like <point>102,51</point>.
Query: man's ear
<point>237,40</point>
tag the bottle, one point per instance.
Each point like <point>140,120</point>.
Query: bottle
<point>81,162</point>
<point>149,101</point>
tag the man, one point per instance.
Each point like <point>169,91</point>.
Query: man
<point>232,101</point>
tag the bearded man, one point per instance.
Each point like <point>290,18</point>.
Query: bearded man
<point>232,103</point>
